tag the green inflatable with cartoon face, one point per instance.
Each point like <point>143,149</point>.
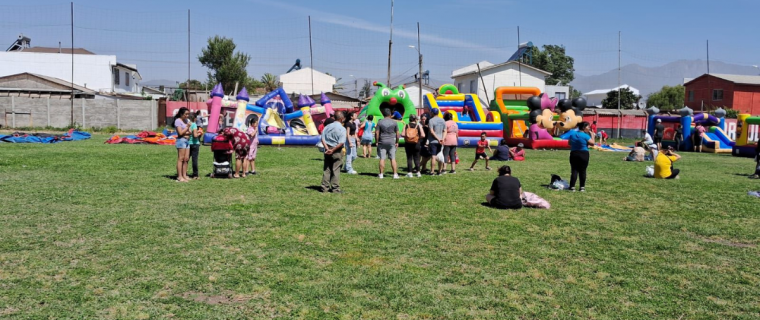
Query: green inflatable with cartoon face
<point>395,100</point>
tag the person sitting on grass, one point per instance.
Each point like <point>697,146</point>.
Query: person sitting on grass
<point>518,153</point>
<point>637,154</point>
<point>480,151</point>
<point>502,152</point>
<point>506,191</point>
<point>663,164</point>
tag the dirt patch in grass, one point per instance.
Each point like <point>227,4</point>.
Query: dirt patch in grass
<point>224,298</point>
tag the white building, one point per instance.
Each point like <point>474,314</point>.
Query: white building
<point>100,73</point>
<point>413,89</point>
<point>594,98</point>
<point>507,74</point>
<point>300,82</point>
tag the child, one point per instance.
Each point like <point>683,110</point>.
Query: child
<point>366,138</point>
<point>194,142</point>
<point>480,151</point>
<point>253,135</point>
<point>603,137</point>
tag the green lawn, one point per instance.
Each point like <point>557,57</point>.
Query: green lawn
<point>90,230</point>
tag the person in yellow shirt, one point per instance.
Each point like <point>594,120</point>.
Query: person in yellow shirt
<point>663,164</point>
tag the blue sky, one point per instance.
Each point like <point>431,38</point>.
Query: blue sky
<point>351,37</point>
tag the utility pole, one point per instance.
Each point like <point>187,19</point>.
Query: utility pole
<point>311,56</point>
<point>419,75</point>
<point>619,51</point>
<point>709,88</point>
<point>390,47</point>
<point>519,60</point>
<point>187,87</point>
<point>72,64</point>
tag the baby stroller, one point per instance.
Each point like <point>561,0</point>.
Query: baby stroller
<point>222,149</point>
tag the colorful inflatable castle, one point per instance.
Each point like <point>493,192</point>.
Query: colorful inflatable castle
<point>279,122</point>
<point>466,110</point>
<point>742,147</point>
<point>531,118</point>
<point>396,100</point>
<point>714,139</point>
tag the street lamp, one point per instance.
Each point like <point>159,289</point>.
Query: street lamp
<point>419,75</point>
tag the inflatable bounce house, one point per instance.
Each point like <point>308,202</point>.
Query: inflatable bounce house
<point>280,123</point>
<point>469,115</point>
<point>714,139</point>
<point>397,100</point>
<point>742,147</point>
<point>530,117</point>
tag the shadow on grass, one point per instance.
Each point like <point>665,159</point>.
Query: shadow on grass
<point>743,174</point>
<point>315,159</point>
<point>314,188</point>
<point>170,177</point>
<point>369,174</point>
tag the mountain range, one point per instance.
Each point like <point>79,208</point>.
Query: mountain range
<point>651,79</point>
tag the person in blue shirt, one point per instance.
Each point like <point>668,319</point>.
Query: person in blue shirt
<point>333,139</point>
<point>580,140</point>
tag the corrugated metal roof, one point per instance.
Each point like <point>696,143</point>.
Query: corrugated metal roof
<point>740,79</point>
<point>57,50</point>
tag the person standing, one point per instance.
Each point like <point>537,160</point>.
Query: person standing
<point>350,143</point>
<point>697,137</point>
<point>480,151</point>
<point>435,140</point>
<point>659,131</point>
<point>387,136</point>
<point>424,150</point>
<point>450,141</point>
<point>506,191</point>
<point>333,138</point>
<point>413,134</point>
<point>593,127</point>
<point>757,162</point>
<point>368,126</point>
<point>183,147</point>
<point>579,141</point>
<point>194,142</point>
<point>678,137</point>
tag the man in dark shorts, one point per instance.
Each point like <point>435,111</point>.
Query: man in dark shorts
<point>506,191</point>
<point>435,140</point>
<point>659,131</point>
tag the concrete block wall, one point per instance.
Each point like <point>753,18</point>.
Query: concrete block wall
<point>88,113</point>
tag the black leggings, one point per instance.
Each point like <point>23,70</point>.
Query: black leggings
<point>673,174</point>
<point>412,155</point>
<point>194,149</point>
<point>578,164</point>
<point>449,154</point>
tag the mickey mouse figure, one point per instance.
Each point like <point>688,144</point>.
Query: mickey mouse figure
<point>571,113</point>
<point>541,116</point>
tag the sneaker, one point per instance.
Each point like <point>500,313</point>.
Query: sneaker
<point>754,176</point>
<point>583,189</point>
<point>410,175</point>
<point>452,172</point>
<point>471,169</point>
<point>252,172</point>
<point>337,191</point>
<point>380,176</point>
<point>395,176</point>
<point>571,189</point>
<point>419,175</point>
<point>352,172</point>
<point>442,172</point>
<point>488,168</point>
<point>433,173</point>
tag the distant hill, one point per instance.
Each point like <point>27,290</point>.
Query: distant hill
<point>651,79</point>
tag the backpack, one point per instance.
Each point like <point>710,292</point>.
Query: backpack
<point>412,134</point>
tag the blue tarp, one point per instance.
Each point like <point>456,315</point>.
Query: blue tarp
<point>21,137</point>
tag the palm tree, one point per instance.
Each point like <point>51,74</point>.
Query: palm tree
<point>366,89</point>
<point>338,86</point>
<point>269,81</point>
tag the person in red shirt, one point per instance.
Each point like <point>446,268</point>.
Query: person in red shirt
<point>593,127</point>
<point>517,153</point>
<point>603,137</point>
<point>480,151</point>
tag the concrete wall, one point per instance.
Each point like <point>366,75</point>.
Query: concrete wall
<point>124,114</point>
<point>91,71</point>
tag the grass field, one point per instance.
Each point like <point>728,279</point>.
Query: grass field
<point>101,231</point>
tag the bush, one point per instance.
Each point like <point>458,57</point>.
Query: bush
<point>110,129</point>
<point>732,114</point>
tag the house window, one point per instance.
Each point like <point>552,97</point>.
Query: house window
<point>116,76</point>
<point>126,79</point>
<point>560,95</point>
<point>717,94</point>
<point>473,86</point>
<point>691,95</point>
<point>459,87</point>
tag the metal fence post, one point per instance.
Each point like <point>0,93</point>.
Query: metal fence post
<point>48,111</point>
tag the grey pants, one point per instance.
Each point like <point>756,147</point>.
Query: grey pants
<point>331,175</point>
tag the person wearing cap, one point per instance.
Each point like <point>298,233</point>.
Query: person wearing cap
<point>517,153</point>
<point>506,191</point>
<point>413,134</point>
<point>659,130</point>
<point>502,152</point>
<point>435,140</point>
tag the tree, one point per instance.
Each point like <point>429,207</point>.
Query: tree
<point>366,89</point>
<point>226,66</point>
<point>668,98</point>
<point>269,81</point>
<point>338,86</point>
<point>554,59</point>
<point>574,93</point>
<point>194,85</point>
<point>628,100</point>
